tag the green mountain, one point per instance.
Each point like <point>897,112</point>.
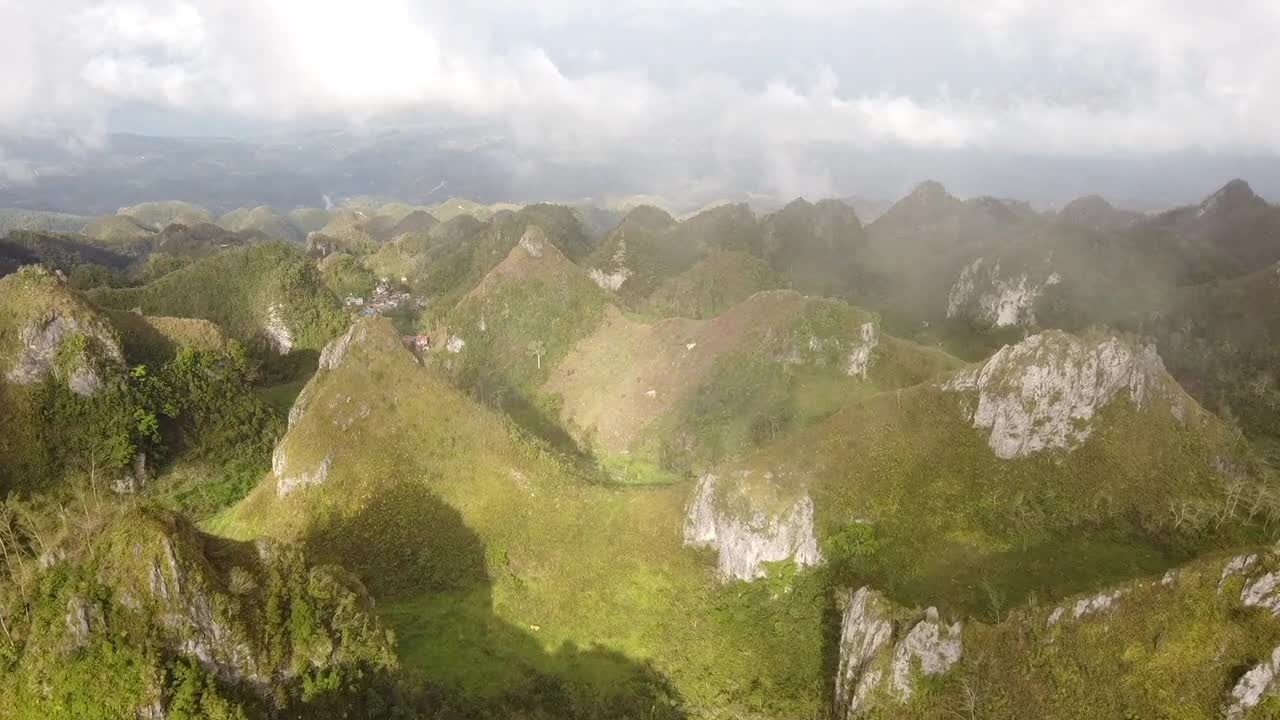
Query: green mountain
<point>71,255</point>
<point>137,614</point>
<point>1198,641</point>
<point>679,395</point>
<point>1058,464</point>
<point>12,219</point>
<point>266,221</point>
<point>971,460</point>
<point>519,586</point>
<point>124,400</point>
<point>268,297</point>
<point>158,215</point>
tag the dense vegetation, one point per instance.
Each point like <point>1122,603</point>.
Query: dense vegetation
<point>237,290</point>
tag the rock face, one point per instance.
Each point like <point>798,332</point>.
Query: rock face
<point>1255,685</point>
<point>860,356</point>
<point>747,535</point>
<point>864,633</point>
<point>194,599</point>
<point>614,279</point>
<point>1002,301</point>
<point>1043,392</point>
<point>277,332</point>
<point>336,351</point>
<point>1264,592</point>
<point>190,614</point>
<point>290,478</point>
<point>533,241</point>
<point>877,669</point>
<point>49,348</point>
<point>931,647</point>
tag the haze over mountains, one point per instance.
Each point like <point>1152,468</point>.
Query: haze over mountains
<point>385,459</point>
<point>425,166</point>
<point>703,360</point>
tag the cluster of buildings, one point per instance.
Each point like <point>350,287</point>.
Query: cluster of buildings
<point>385,299</point>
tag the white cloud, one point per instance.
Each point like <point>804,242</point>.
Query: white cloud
<point>1146,76</point>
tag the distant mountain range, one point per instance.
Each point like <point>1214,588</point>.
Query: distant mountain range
<point>425,166</point>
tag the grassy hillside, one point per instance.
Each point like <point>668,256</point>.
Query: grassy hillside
<point>962,527</point>
<point>237,290</point>
<point>1220,340</point>
<point>265,220</point>
<point>346,277</point>
<point>120,233</point>
<point>454,256</point>
<point>308,220</point>
<point>87,264</point>
<point>518,585</point>
<point>1172,646</point>
<point>12,219</point>
<point>673,396</point>
<point>713,285</point>
<point>505,336</point>
<point>158,215</point>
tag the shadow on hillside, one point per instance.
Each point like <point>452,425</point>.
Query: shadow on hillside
<point>429,574</point>
<point>490,388</point>
<point>543,426</point>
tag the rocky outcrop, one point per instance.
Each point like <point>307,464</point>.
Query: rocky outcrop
<point>982,290</point>
<point>1238,565</point>
<point>930,648</point>
<point>82,619</point>
<point>186,608</point>
<point>290,478</point>
<point>1086,606</point>
<point>1263,592</point>
<point>1253,687</point>
<point>860,355</point>
<point>333,354</point>
<point>1043,392</point>
<point>276,331</point>
<point>875,667</point>
<point>82,353</point>
<point>533,241</point>
<point>202,598</point>
<point>745,534</point>
<point>614,279</point>
<point>865,631</point>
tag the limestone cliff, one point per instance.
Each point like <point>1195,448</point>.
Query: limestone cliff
<point>877,666</point>
<point>1003,299</point>
<point>1044,392</point>
<point>747,530</point>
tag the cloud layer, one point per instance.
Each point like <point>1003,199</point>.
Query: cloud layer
<point>738,80</point>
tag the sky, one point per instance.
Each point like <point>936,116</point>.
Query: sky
<point>740,83</point>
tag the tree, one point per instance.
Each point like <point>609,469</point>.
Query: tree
<point>537,349</point>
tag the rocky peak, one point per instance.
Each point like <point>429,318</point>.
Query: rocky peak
<point>929,193</point>
<point>1235,195</point>
<point>648,216</point>
<point>1093,211</point>
<point>1043,392</point>
<point>533,241</point>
